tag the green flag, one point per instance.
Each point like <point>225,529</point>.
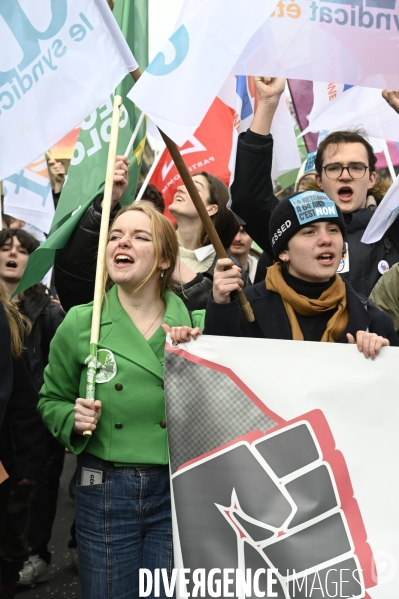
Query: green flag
<point>85,179</point>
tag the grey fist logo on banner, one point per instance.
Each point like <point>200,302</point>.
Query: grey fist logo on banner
<point>272,504</point>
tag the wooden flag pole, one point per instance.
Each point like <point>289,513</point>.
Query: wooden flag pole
<point>102,244</point>
<point>199,205</point>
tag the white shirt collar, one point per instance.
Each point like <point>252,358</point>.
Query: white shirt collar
<point>204,252</point>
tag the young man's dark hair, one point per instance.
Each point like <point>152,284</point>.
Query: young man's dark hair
<point>345,137</point>
<point>152,194</point>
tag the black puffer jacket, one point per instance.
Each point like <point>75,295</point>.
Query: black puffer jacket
<point>75,267</point>
<point>45,316</point>
<point>253,200</point>
<point>22,434</point>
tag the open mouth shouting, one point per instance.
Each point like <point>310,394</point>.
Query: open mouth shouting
<point>123,260</point>
<point>11,264</point>
<point>345,193</point>
<point>327,258</point>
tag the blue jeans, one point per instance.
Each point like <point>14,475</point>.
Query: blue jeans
<point>122,525</point>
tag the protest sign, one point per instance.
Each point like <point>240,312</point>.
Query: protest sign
<point>283,466</point>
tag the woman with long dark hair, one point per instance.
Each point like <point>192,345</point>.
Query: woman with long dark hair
<point>197,255</point>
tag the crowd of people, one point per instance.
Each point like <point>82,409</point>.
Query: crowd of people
<point>167,279</point>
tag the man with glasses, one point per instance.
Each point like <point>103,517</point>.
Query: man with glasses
<point>345,165</point>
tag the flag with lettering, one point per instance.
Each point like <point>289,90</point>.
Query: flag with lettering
<point>347,42</point>
<point>86,173</point>
<point>282,477</point>
<point>28,195</point>
<point>204,151</point>
<point>58,62</point>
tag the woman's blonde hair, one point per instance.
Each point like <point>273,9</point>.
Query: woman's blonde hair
<point>166,246</point>
<point>20,326</point>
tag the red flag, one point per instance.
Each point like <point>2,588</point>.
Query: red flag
<point>207,150</point>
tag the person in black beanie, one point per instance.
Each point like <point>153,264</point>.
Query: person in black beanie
<point>302,297</point>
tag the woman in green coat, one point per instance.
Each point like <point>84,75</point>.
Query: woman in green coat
<point>122,497</point>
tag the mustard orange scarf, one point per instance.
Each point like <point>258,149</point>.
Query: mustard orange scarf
<point>333,297</point>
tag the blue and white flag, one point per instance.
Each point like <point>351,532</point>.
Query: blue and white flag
<point>58,62</point>
<point>28,195</point>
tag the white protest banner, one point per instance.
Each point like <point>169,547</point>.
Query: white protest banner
<point>324,40</point>
<point>28,195</point>
<point>386,214</point>
<point>58,62</point>
<point>283,468</point>
<point>358,106</point>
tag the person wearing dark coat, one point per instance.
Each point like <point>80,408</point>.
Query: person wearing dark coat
<point>5,362</point>
<point>45,315</point>
<point>253,199</point>
<point>22,443</point>
<point>302,297</point>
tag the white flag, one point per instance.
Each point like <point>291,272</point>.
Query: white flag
<point>323,94</point>
<point>58,62</point>
<point>28,196</point>
<point>195,62</point>
<point>352,43</point>
<point>386,213</point>
<point>358,107</point>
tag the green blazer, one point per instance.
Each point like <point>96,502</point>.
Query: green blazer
<point>132,427</point>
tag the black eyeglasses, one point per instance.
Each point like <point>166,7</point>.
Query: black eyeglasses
<point>356,170</point>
